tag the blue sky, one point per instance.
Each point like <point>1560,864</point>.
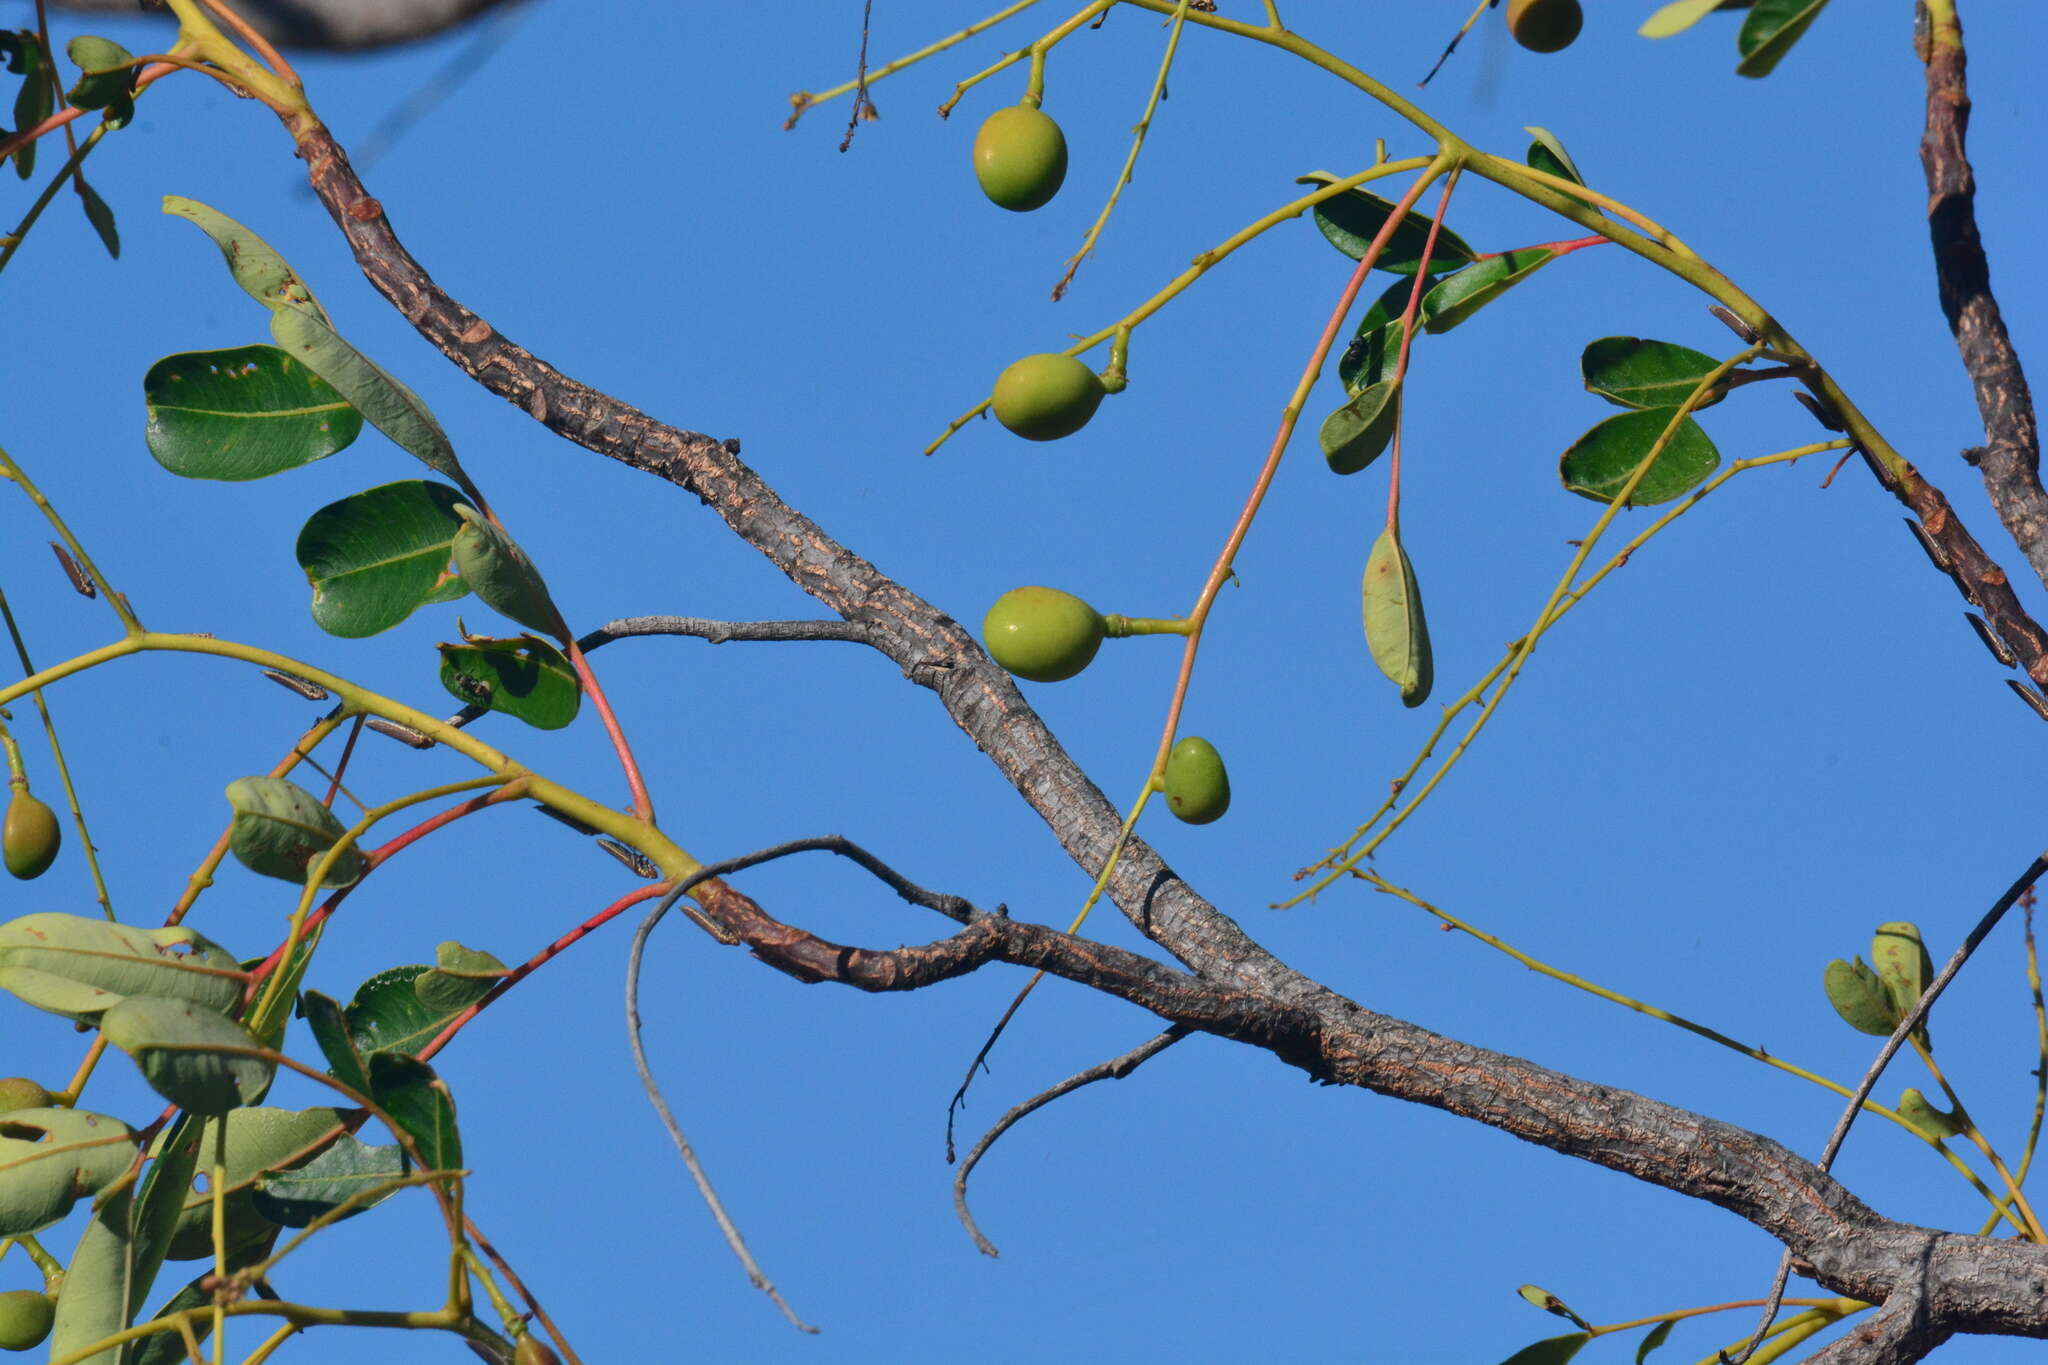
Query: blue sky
<point>1770,733</point>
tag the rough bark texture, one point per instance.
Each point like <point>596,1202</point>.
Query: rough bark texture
<point>345,25</point>
<point>1231,986</point>
<point>2010,458</point>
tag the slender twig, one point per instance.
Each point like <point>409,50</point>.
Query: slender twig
<point>533,1304</point>
<point>92,857</point>
<point>861,104</point>
<point>1115,1069</point>
<point>1911,1021</point>
<point>719,632</point>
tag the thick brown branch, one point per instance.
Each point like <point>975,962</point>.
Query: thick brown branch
<point>2010,459</point>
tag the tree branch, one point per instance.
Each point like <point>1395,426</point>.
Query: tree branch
<point>2010,459</point>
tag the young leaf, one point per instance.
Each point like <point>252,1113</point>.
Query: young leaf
<point>107,76</point>
<point>388,405</point>
<point>418,1101</point>
<point>1677,17</point>
<point>1655,1339</point>
<point>1769,32</point>
<point>1352,219</point>
<point>1471,289</point>
<point>376,556</point>
<point>51,1158</point>
<point>1353,436</point>
<point>331,1031</point>
<point>253,262</point>
<point>1394,627</point>
<point>1903,965</point>
<point>1551,1303</point>
<point>1548,155</point>
<point>526,678</point>
<point>1937,1124</point>
<point>1551,1351</point>
<point>1631,372</point>
<point>1598,465</point>
<point>184,1053</point>
<point>1859,997</point>
<point>242,413</point>
<point>99,215</point>
<point>499,572</point>
<point>461,977</point>
<point>347,1168</point>
<point>80,967</point>
<point>281,830</point>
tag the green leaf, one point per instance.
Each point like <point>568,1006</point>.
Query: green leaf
<point>1600,462</point>
<point>1677,17</point>
<point>179,1047</point>
<point>1903,966</point>
<point>1859,997</point>
<point>1352,219</point>
<point>1654,1340</point>
<point>331,1031</point>
<point>1552,1351</point>
<point>499,572</point>
<point>1631,372</point>
<point>1552,1304</point>
<point>1548,155</point>
<point>1770,30</point>
<point>1394,626</point>
<point>80,967</point>
<point>1353,436</point>
<point>281,830</point>
<point>108,76</point>
<point>254,263</point>
<point>97,1285</point>
<point>462,977</point>
<point>258,1140</point>
<point>242,413</point>
<point>33,102</point>
<point>99,215</point>
<point>1916,1109</point>
<point>168,1348</point>
<point>418,1101</point>
<point>51,1158</point>
<point>347,1168</point>
<point>375,557</point>
<point>387,1014</point>
<point>388,405</point>
<point>1478,284</point>
<point>526,678</point>
<point>1375,349</point>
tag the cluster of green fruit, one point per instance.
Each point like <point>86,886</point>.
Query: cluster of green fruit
<point>1045,635</point>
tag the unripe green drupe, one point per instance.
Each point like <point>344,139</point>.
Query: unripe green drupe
<point>1197,787</point>
<point>1545,25</point>
<point>1045,397</point>
<point>1042,634</point>
<point>19,1092</point>
<point>1020,157</point>
<point>25,1319</point>
<point>29,836</point>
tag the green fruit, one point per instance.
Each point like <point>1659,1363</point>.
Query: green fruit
<point>19,1092</point>
<point>25,1318</point>
<point>1042,634</point>
<point>1045,397</point>
<point>1197,787</point>
<point>29,837</point>
<point>531,1350</point>
<point>1545,25</point>
<point>1020,157</point>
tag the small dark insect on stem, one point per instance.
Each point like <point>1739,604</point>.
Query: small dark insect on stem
<point>73,572</point>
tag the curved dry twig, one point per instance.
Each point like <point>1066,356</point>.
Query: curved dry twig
<point>1115,1069</point>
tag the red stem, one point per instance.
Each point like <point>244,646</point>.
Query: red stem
<point>1408,317</point>
<point>643,807</point>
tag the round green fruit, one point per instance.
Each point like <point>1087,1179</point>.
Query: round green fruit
<point>19,1092</point>
<point>531,1350</point>
<point>1020,157</point>
<point>1042,634</point>
<point>1197,787</point>
<point>1545,25</point>
<point>25,1318</point>
<point>29,837</point>
<point>1045,397</point>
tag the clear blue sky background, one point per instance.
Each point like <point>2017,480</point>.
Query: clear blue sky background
<point>1770,733</point>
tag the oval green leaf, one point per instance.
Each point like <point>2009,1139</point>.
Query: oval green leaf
<point>418,1101</point>
<point>255,264</point>
<point>189,1055</point>
<point>1901,961</point>
<point>51,1158</point>
<point>1548,155</point>
<point>375,557</point>
<point>1859,997</point>
<point>242,413</point>
<point>107,75</point>
<point>281,830</point>
<point>1471,289</point>
<point>526,678</point>
<point>1656,1338</point>
<point>388,405</point>
<point>1349,221</point>
<point>258,1141</point>
<point>1552,1351</point>
<point>1375,349</point>
<point>388,1015</point>
<point>460,977</point>
<point>1598,465</point>
<point>1394,626</point>
<point>33,101</point>
<point>1677,17</point>
<point>347,1169</point>
<point>80,967</point>
<point>499,572</point>
<point>1769,32</point>
<point>99,215</point>
<point>1632,372</point>
<point>1353,436</point>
